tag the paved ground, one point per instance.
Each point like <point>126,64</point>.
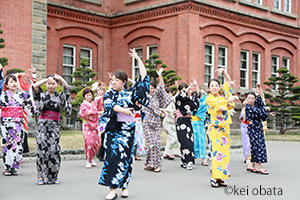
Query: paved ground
<point>172,183</point>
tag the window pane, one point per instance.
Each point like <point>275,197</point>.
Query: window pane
<point>243,55</point>
<point>243,74</point>
<point>274,60</point>
<point>222,61</point>
<point>243,83</point>
<point>208,59</point>
<point>68,60</point>
<point>67,78</point>
<point>67,70</point>
<point>254,83</point>
<point>221,79</point>
<point>274,69</point>
<point>207,78</point>
<point>136,72</point>
<point>140,54</point>
<point>243,65</point>
<point>85,53</point>
<point>152,50</point>
<point>255,57</point>
<point>222,52</point>
<point>68,51</point>
<point>208,49</point>
<point>254,75</point>
<point>207,69</point>
<point>255,66</point>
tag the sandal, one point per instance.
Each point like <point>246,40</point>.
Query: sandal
<point>113,198</point>
<point>204,163</point>
<point>264,172</point>
<point>6,173</point>
<point>214,183</point>
<point>57,182</point>
<point>137,158</point>
<point>13,172</point>
<point>221,183</point>
<point>40,181</point>
<point>170,157</point>
<point>157,170</point>
<point>124,194</point>
<point>148,168</point>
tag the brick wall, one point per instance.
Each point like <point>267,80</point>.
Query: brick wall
<point>15,19</point>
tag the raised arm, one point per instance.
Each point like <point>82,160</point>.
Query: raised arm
<point>161,80</point>
<point>37,85</point>
<point>131,81</point>
<point>141,64</point>
<point>227,77</point>
<point>196,85</point>
<point>58,77</point>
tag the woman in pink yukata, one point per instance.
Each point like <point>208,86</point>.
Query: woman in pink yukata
<point>89,111</point>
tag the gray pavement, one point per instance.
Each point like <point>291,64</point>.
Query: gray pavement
<point>172,182</point>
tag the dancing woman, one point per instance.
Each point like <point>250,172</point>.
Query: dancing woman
<point>49,105</point>
<point>219,102</point>
<point>13,102</point>
<point>172,144</point>
<point>185,105</point>
<point>256,113</point>
<point>244,134</point>
<point>199,130</point>
<point>118,117</point>
<point>89,111</point>
<point>159,100</point>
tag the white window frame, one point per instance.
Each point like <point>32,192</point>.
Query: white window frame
<point>133,62</point>
<point>260,2</point>
<point>279,4</point>
<point>288,62</point>
<point>148,49</point>
<point>275,74</point>
<point>74,60</point>
<point>258,68</point>
<point>289,8</point>
<point>210,64</point>
<point>91,57</point>
<point>226,60</point>
<point>246,70</point>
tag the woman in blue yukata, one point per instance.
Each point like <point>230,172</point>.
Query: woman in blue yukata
<point>256,113</point>
<point>120,128</point>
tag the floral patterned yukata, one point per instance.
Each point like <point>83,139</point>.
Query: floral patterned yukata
<point>120,132</point>
<point>48,131</point>
<point>90,126</point>
<point>172,144</point>
<point>257,115</point>
<point>219,131</point>
<point>12,125</point>
<point>198,129</point>
<point>152,127</point>
<point>185,105</point>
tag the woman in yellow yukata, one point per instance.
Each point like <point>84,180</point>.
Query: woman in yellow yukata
<point>219,102</point>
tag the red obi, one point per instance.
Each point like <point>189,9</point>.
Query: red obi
<point>50,115</point>
<point>245,121</point>
<point>12,112</point>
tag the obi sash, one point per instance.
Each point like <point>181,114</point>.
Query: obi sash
<point>124,118</point>
<point>245,121</point>
<point>178,114</point>
<point>196,118</point>
<point>12,112</point>
<point>52,115</point>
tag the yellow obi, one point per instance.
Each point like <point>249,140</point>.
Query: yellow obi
<point>195,118</point>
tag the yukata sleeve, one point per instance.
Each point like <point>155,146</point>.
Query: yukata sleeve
<point>88,114</point>
<point>255,113</point>
<point>109,101</point>
<point>186,104</point>
<point>65,98</point>
<point>164,98</point>
<point>140,91</point>
<point>202,108</point>
<point>98,102</point>
<point>37,97</point>
<point>1,82</point>
<point>28,104</point>
<point>227,94</point>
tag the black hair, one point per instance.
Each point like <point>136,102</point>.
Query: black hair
<point>121,75</point>
<point>182,85</point>
<point>251,93</point>
<point>10,76</point>
<point>168,90</point>
<point>242,101</point>
<point>86,91</point>
<point>52,77</point>
<point>213,79</point>
<point>153,84</point>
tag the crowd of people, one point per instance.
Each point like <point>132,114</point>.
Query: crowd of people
<point>117,122</point>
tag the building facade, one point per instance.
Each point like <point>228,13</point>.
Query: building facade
<point>251,39</point>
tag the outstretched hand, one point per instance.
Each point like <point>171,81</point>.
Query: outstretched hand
<point>32,70</point>
<point>194,82</point>
<point>133,53</point>
<point>160,71</point>
<point>220,70</point>
<point>128,111</point>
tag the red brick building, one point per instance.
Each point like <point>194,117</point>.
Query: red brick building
<point>251,39</point>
